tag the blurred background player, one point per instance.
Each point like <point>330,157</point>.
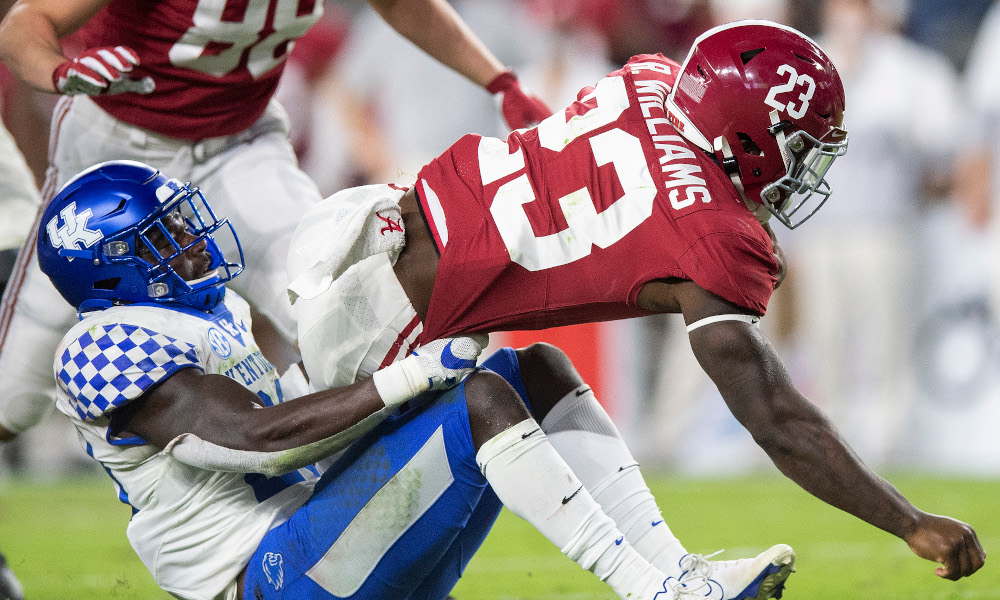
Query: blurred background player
<point>19,202</point>
<point>856,342</point>
<point>188,89</point>
<point>959,349</point>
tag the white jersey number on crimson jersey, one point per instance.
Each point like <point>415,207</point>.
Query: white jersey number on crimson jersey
<point>215,46</point>
<point>586,227</point>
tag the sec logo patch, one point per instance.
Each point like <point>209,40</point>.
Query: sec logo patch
<point>219,343</point>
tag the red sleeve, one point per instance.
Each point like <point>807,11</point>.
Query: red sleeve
<point>740,268</point>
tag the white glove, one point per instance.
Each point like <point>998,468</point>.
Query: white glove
<point>437,365</point>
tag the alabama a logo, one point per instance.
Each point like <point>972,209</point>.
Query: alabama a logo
<point>273,569</point>
<point>73,231</point>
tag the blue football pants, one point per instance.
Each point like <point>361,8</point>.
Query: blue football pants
<point>397,517</point>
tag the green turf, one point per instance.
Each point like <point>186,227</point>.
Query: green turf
<point>66,540</point>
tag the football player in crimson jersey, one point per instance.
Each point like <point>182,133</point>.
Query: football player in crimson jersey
<point>186,85</point>
<point>651,193</point>
<point>371,491</point>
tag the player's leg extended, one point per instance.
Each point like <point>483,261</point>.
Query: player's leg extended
<point>583,433</point>
<point>390,513</point>
<point>33,316</point>
<point>33,319</point>
<point>535,483</point>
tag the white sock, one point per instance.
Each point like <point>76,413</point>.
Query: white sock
<point>536,484</point>
<point>584,435</point>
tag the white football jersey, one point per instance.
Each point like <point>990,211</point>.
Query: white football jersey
<point>194,529</point>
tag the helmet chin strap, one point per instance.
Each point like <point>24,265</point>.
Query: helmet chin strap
<point>732,169</point>
<point>779,136</point>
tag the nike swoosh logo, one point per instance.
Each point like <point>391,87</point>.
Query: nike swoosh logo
<point>620,469</point>
<point>450,361</point>
<point>619,541</point>
<point>573,495</point>
<point>525,436</point>
<point>582,392</point>
<point>655,523</point>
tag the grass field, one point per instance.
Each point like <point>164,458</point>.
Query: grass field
<point>66,541</point>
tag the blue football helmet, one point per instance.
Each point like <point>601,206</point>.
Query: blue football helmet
<point>103,240</point>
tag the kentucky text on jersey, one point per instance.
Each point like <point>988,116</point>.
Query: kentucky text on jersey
<point>249,369</point>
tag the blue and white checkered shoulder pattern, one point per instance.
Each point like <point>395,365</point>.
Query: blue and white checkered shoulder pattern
<point>110,365</point>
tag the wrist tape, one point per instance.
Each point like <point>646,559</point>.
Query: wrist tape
<point>401,381</point>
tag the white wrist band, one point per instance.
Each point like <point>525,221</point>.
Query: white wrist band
<point>401,381</point>
<point>753,320</point>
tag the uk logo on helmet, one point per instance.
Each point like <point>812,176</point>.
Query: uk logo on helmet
<point>73,231</point>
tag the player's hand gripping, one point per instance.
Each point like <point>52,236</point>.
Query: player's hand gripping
<point>448,361</point>
<point>99,71</point>
<point>437,365</point>
<point>520,107</point>
<point>949,542</point>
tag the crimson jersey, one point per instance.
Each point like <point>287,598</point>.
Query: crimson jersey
<point>566,222</point>
<point>215,63</point>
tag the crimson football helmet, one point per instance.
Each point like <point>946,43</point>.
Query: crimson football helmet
<point>768,102</point>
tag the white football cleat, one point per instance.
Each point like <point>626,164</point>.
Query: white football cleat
<point>742,579</point>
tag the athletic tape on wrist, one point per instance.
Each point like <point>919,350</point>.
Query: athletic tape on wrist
<point>401,381</point>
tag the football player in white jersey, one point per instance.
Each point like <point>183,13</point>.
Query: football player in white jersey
<point>186,85</point>
<point>169,392</point>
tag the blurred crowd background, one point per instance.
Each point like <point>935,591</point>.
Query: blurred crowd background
<point>889,318</point>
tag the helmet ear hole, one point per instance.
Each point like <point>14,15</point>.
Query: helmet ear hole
<point>749,146</point>
<point>748,55</point>
<point>107,284</point>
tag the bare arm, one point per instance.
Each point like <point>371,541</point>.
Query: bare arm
<point>803,443</point>
<point>214,423</point>
<point>30,33</point>
<point>435,27</point>
<point>223,412</point>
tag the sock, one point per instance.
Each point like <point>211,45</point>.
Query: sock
<point>584,435</point>
<point>536,484</point>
